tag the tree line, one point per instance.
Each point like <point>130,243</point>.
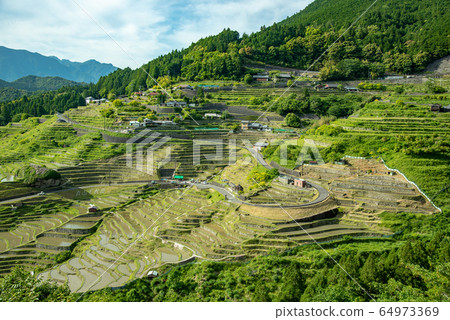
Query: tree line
<point>45,103</point>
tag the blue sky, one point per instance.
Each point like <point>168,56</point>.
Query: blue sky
<point>145,29</point>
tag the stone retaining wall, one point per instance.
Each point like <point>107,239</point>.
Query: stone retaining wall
<point>284,170</point>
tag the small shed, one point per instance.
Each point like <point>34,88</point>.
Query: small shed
<point>261,77</point>
<point>436,107</point>
<point>152,274</point>
<point>260,146</point>
<point>331,86</point>
<point>285,180</point>
<point>212,115</point>
<point>135,123</point>
<point>341,162</point>
<point>300,183</point>
<point>92,208</point>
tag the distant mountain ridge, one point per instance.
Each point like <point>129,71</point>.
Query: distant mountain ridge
<point>30,84</point>
<point>15,64</point>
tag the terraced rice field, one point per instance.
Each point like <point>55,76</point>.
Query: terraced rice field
<point>177,225</point>
<point>38,229</point>
<point>109,171</point>
<point>286,194</point>
<point>355,189</point>
<point>382,119</point>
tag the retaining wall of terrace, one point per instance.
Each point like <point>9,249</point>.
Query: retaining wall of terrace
<point>50,247</point>
<point>401,173</point>
<point>113,139</point>
<point>284,170</point>
<point>323,215</point>
<point>73,231</point>
<point>372,187</point>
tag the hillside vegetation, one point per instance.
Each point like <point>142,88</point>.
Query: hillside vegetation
<point>393,36</point>
<point>369,224</point>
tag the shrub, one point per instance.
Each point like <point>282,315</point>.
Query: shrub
<point>63,256</point>
<point>293,121</point>
<point>117,103</point>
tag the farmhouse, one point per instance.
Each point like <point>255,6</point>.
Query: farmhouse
<point>284,76</point>
<point>247,125</point>
<point>136,123</point>
<point>92,100</point>
<point>163,122</point>
<point>261,77</point>
<point>211,116</point>
<point>351,89</point>
<point>176,104</point>
<point>301,183</point>
<point>331,86</point>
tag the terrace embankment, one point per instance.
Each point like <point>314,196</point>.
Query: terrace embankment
<point>366,184</point>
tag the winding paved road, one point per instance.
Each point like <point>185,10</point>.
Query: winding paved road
<point>323,193</point>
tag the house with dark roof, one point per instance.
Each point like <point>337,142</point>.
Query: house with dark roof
<point>436,107</point>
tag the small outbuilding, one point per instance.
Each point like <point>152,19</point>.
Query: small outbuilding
<point>259,146</point>
<point>285,180</point>
<point>436,107</point>
<point>301,183</point>
<point>152,274</point>
<point>135,123</point>
<point>92,208</point>
<point>238,188</point>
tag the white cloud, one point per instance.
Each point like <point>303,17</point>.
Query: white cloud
<point>144,29</point>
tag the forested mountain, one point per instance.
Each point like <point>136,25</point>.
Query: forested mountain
<point>15,64</point>
<point>34,83</point>
<point>400,36</point>
<point>29,84</point>
<point>45,103</point>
